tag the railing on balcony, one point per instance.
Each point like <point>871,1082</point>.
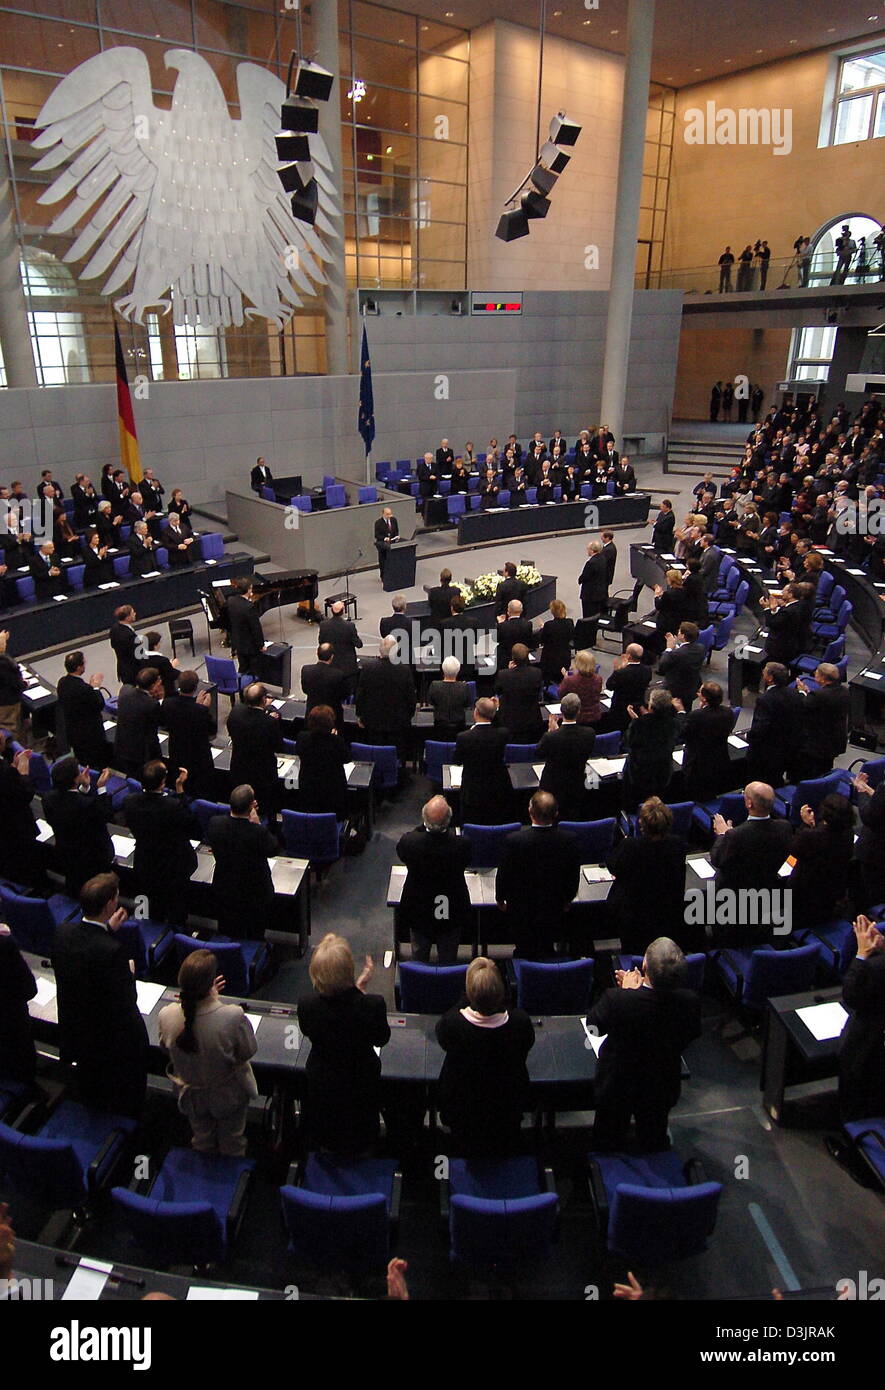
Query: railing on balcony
<point>787,272</point>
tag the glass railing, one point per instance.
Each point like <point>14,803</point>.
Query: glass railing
<point>788,272</point>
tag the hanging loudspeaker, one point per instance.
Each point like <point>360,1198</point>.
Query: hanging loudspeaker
<point>512,225</point>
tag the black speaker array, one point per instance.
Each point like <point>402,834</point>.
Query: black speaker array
<point>299,119</point>
<point>539,184</point>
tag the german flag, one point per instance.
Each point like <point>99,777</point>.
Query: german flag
<point>126,420</point>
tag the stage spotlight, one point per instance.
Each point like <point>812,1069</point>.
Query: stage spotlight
<point>535,204</point>
<point>295,116</point>
<point>315,82</point>
<point>292,147</point>
<point>542,179</point>
<point>563,131</point>
<point>512,225</point>
<point>553,158</point>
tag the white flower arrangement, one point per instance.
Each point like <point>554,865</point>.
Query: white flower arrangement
<point>485,586</point>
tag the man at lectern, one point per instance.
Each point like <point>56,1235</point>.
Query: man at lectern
<point>386,530</point>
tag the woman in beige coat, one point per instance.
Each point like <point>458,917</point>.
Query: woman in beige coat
<point>209,1045</point>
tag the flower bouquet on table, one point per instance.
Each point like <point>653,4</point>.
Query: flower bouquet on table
<point>485,586</point>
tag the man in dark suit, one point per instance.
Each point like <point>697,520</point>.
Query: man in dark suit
<point>138,720</point>
<point>82,708</point>
<point>125,643</point>
<point>246,635</point>
<point>255,740</point>
<point>324,684</point>
<point>749,856</point>
<point>486,791</point>
<point>164,856</point>
<point>385,698</point>
<point>142,551</point>
<point>48,578</point>
<point>440,597</point>
<point>242,885</point>
<point>628,683</point>
<point>514,630</point>
<point>593,581</point>
<point>427,474</point>
<point>187,717</point>
<point>519,690</point>
<point>396,621</point>
<point>152,491</point>
<point>861,1053</point>
<point>79,819</point>
<point>343,638</point>
<point>624,476</point>
<point>824,721</point>
<point>663,528</point>
<point>510,588</point>
<point>537,879</point>
<point>179,547</point>
<point>386,532</point>
<point>100,1027</point>
<point>260,476</point>
<point>646,1020</point>
<point>681,664</point>
<point>711,558</point>
<point>166,668</point>
<point>445,458</point>
<point>775,735</point>
<point>435,905</point>
<point>564,751</point>
<point>787,623</point>
<point>610,554</point>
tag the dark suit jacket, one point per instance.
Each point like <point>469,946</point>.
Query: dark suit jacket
<point>164,668</point>
<point>511,631</point>
<point>628,687</point>
<point>343,1073</point>
<point>445,458</point>
<point>593,580</point>
<point>555,640</point>
<point>324,684</point>
<point>861,1067</point>
<point>537,878</point>
<point>662,533</point>
<point>436,861</point>
<point>17,986</point>
<point>163,828</point>
<point>706,766</point>
<point>610,555</point>
<point>342,636</point>
<point>440,600</point>
<point>787,633</point>
<point>138,719</point>
<point>241,885</point>
<point>825,722</point>
<point>564,754</point>
<point>260,477</point>
<point>645,1031</point>
<point>750,855</point>
<point>681,670</point>
<point>80,825</point>
<point>519,693</point>
<point>99,569</point>
<point>190,730</point>
<point>385,697</point>
<point>124,639</point>
<point>46,584</point>
<point>382,533</point>
<point>775,733</point>
<point>172,540</point>
<point>649,891</point>
<point>142,558</point>
<point>322,780</point>
<point>246,635</point>
<point>507,590</point>
<point>255,739</point>
<point>711,559</point>
<point>486,792</point>
<point>82,708</point>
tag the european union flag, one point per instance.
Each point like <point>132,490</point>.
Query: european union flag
<point>366,424</point>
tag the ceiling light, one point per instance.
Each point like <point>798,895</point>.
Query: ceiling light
<point>585,22</point>
<point>389,149</point>
<point>614,31</point>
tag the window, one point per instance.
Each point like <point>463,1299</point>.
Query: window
<point>811,354</point>
<point>860,99</point>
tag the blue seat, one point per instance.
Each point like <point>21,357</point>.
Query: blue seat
<point>731,806</point>
<point>456,505</point>
<point>828,603</point>
<point>596,837</point>
<point>244,964</point>
<point>312,836</point>
<point>560,987</point>
<point>707,636</point>
<point>473,482</point>
<point>328,481</point>
<point>222,672</point>
<point>193,1210</point>
<point>25,589</point>
<point>823,591</point>
<point>13,1094</point>
<point>807,665</point>
<point>72,1157</point>
<point>520,752</point>
<point>75,575</point>
<point>367,494</point>
<point>32,921</point>
<point>445,487</point>
<point>836,944</point>
<point>694,973</point>
<point>608,745</point>
<point>875,771</point>
<point>340,1219</point>
<point>504,497</point>
<point>867,1138</point>
<point>39,773</point>
<point>487,843</point>
<point>268,494</point>
<point>336,496</point>
<point>723,632</point>
<point>161,555</point>
<point>386,760</point>
<point>436,755</point>
<point>531,495</point>
<point>149,944</point>
<point>682,816</point>
<point>205,810</point>
<point>125,533</point>
<point>301,503</point>
<point>121,566</point>
<point>211,545</point>
<point>429,989</point>
<point>752,977</point>
<point>647,1208</point>
<point>828,628</point>
<point>502,1215</point>
<point>790,800</point>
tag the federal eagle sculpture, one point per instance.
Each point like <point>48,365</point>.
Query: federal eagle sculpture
<point>183,207</point>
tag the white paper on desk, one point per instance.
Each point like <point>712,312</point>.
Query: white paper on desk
<point>595,1039</point>
<point>538,769</point>
<point>757,650</point>
<point>151,574</point>
<point>87,1282</point>
<point>597,873</point>
<point>824,1021</point>
<point>348,769</point>
<point>606,767</point>
<point>44,831</point>
<point>195,844</point>
<point>109,726</point>
<point>872,675</point>
<point>785,869</point>
<point>285,766</point>
<point>220,583</point>
<point>202,1293</point>
<point>112,584</point>
<point>255,1020</point>
<point>667,557</point>
<point>455,773</point>
<point>554,708</point>
<point>649,623</point>
<point>46,992</point>
<point>860,572</point>
<point>679,756</point>
<point>275,704</point>
<point>266,645</point>
<point>147,994</point>
<point>36,692</point>
<point>123,845</point>
<point>216,754</point>
<point>736,741</point>
<point>59,598</point>
<point>703,868</point>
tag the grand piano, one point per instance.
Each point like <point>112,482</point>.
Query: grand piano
<point>285,588</point>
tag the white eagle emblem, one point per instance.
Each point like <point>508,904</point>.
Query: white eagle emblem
<point>185,204</point>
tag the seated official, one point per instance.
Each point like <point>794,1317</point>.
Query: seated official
<point>164,857</point>
<point>822,848</point>
<point>18,1054</point>
<point>79,818</point>
<point>260,476</point>
<point>564,751</point>
<point>343,1073</point>
<point>484,1082</point>
<point>322,780</point>
<point>751,855</point>
<point>486,791</point>
<point>436,859</point>
<point>139,716</point>
<point>242,885</point>
<point>209,1044</point>
<point>450,699</point>
<point>555,639</point>
<point>519,691</point>
<point>628,683</point>
<point>584,681</point>
<point>187,717</point>
<point>862,1047</point>
<point>324,684</point>
<point>706,764</point>
<point>537,879</point>
<point>649,740</point>
<point>99,565</point>
<point>648,893</point>
<point>647,1020</point>
<point>81,705</point>
<point>48,578</point>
